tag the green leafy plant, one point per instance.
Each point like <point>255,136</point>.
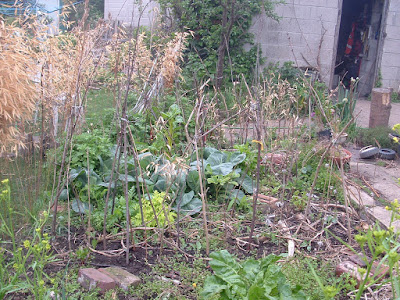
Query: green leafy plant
<point>168,131</point>
<point>154,209</point>
<point>373,136</point>
<point>24,269</point>
<point>396,128</point>
<point>223,175</point>
<point>382,246</point>
<point>251,279</point>
<point>317,278</point>
<point>93,144</point>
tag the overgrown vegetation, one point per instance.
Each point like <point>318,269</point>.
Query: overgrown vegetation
<point>206,194</point>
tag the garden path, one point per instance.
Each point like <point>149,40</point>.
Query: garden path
<point>383,179</point>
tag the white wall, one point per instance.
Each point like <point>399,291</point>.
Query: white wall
<point>51,6</point>
<point>390,64</point>
<point>304,35</point>
<point>131,12</point>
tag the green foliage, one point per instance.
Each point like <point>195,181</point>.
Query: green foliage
<point>378,82</point>
<point>206,20</point>
<point>374,136</point>
<point>155,211</point>
<point>250,163</point>
<point>93,144</point>
<point>395,97</point>
<point>316,278</point>
<point>189,204</point>
<point>224,178</point>
<point>286,72</point>
<point>82,254</point>
<point>24,269</point>
<point>382,246</point>
<point>327,186</point>
<point>191,275</point>
<point>75,10</point>
<point>251,279</point>
<point>168,132</point>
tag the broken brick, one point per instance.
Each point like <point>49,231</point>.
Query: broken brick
<point>91,278</point>
<point>123,278</point>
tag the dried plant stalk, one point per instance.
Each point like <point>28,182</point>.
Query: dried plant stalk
<point>18,93</point>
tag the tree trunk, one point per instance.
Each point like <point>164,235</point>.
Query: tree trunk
<point>219,74</point>
<point>220,65</point>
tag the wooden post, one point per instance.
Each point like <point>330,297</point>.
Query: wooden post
<point>380,107</point>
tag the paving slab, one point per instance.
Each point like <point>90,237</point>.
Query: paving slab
<point>91,278</point>
<point>123,278</point>
<point>383,180</point>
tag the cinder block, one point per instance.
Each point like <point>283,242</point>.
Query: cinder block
<point>91,278</point>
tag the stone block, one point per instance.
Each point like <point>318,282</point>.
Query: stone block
<point>123,278</point>
<point>91,278</point>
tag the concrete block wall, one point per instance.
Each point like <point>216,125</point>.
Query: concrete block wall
<point>305,34</point>
<point>132,13</point>
<point>51,6</point>
<point>390,64</point>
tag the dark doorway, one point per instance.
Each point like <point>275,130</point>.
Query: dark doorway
<point>358,43</point>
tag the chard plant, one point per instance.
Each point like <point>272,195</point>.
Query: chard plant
<point>251,279</point>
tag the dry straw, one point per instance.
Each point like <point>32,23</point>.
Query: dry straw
<point>18,94</point>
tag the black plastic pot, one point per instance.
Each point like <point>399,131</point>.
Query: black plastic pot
<point>324,134</point>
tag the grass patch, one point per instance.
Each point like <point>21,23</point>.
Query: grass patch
<point>374,136</point>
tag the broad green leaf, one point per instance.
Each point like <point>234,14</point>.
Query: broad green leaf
<point>224,264</point>
<point>73,174</point>
<point>161,185</point>
<point>193,207</point>
<point>251,268</point>
<point>256,292</point>
<point>222,169</point>
<point>127,178</point>
<point>247,184</point>
<point>105,184</point>
<point>145,159</point>
<point>236,194</point>
<point>216,158</point>
<point>189,205</point>
<point>193,181</point>
<point>208,151</point>
<point>236,158</point>
<point>213,286</point>
<point>64,195</point>
<point>186,198</point>
<point>80,207</point>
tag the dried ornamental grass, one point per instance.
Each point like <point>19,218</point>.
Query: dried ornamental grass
<point>18,93</point>
<point>68,63</point>
<point>170,68</point>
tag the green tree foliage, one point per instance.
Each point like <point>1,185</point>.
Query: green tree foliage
<point>220,30</point>
<point>76,10</point>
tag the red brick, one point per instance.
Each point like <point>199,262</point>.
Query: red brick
<point>349,268</point>
<point>359,259</point>
<point>123,278</point>
<point>91,278</point>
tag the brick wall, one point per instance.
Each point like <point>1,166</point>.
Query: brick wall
<point>305,34</point>
<point>390,64</point>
